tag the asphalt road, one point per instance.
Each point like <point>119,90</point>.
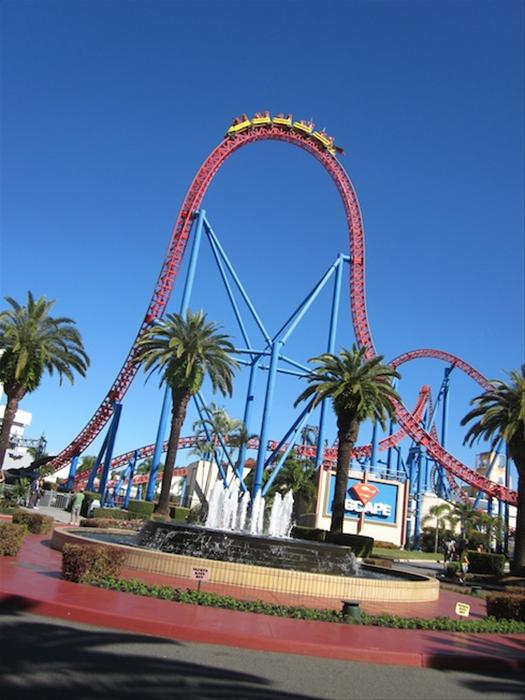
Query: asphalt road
<point>43,658</point>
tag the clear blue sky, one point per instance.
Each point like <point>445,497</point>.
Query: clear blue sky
<point>109,108</point>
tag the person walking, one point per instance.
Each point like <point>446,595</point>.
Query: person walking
<point>78,498</point>
<point>463,566</point>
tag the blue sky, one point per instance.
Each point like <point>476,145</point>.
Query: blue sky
<point>109,108</point>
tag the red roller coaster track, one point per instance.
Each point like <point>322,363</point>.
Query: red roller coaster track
<point>172,261</point>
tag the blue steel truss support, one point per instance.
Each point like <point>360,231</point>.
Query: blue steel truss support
<point>419,497</point>
<point>332,330</point>
<point>166,403</point>
<point>96,464</point>
<point>373,450</point>
<point>202,410</point>
<point>131,466</point>
<point>389,452</point>
<point>247,301</point>
<point>72,471</point>
<point>112,434</point>
<point>247,417</point>
<point>268,400</point>
<point>291,436</point>
<point>506,509</point>
<point>489,470</point>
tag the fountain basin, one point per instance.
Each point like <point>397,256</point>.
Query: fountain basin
<point>395,587</point>
<point>242,548</point>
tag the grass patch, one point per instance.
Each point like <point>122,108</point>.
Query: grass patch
<point>405,554</point>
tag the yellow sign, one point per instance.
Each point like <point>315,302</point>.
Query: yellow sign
<point>463,609</point>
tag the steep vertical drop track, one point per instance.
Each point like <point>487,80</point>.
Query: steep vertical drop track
<point>172,262</point>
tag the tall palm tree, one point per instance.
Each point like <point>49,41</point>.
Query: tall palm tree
<point>32,343</point>
<point>183,350</point>
<point>360,389</point>
<point>500,413</point>
<point>440,514</point>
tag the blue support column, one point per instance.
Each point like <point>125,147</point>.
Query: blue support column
<point>183,491</point>
<point>159,444</point>
<point>72,471</point>
<point>91,480</point>
<point>373,451</point>
<point>336,297</point>
<point>132,464</point>
<point>166,402</point>
<point>247,413</point>
<point>506,509</point>
<point>419,498</point>
<point>112,434</point>
<point>389,452</point>
<point>263,438</point>
<point>444,415</point>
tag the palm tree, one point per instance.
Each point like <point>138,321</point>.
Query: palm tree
<point>441,514</point>
<point>183,351</point>
<point>32,343</point>
<point>500,413</point>
<point>298,476</point>
<point>360,389</point>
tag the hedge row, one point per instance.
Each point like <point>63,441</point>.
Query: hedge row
<point>11,538</point>
<point>111,523</point>
<point>506,606</point>
<point>81,564</point>
<point>36,523</point>
<point>196,597</point>
<point>486,563</point>
<point>360,545</point>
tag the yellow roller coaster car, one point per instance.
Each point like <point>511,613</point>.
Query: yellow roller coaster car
<point>239,124</point>
<point>326,141</point>
<point>261,119</point>
<point>304,126</point>
<point>283,120</point>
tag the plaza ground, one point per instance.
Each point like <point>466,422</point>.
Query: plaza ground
<point>31,582</point>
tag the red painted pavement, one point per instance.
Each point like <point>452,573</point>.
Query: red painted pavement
<point>31,581</point>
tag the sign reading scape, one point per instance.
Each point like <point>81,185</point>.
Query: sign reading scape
<point>377,501</point>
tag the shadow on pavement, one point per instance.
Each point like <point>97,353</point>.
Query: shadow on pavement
<point>46,660</point>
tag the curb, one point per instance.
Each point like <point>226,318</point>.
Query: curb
<point>300,645</point>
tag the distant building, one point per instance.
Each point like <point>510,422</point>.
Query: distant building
<point>16,456</point>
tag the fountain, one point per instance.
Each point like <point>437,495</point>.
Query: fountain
<point>235,549</point>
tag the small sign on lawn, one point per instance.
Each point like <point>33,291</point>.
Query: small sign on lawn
<point>200,574</point>
<point>463,609</point>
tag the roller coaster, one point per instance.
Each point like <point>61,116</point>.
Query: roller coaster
<point>303,134</point>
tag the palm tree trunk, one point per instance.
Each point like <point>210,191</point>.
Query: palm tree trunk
<point>347,435</point>
<point>178,414</point>
<point>7,423</point>
<point>518,560</point>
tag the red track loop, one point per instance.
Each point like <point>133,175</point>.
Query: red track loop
<point>363,335</point>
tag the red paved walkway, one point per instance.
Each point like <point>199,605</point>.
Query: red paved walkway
<point>32,582</point>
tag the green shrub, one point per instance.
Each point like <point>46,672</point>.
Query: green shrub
<point>199,597</point>
<point>506,606</point>
<point>89,497</point>
<point>452,569</point>
<point>50,486</point>
<point>11,538</point>
<point>7,506</point>
<point>379,544</point>
<point>301,532</point>
<point>35,522</point>
<point>360,545</point>
<point>486,563</point>
<point>81,564</point>
<point>181,514</point>
<point>380,561</point>
<point>112,513</point>
<point>106,523</point>
<point>142,509</point>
